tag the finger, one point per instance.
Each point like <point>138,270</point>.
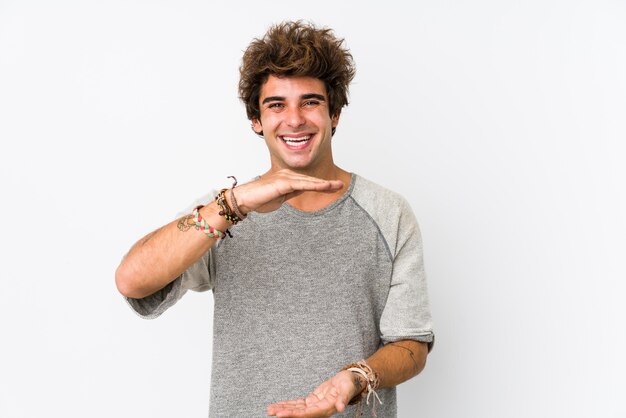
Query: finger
<point>286,405</point>
<point>313,408</point>
<point>287,175</point>
<point>340,406</point>
<point>319,395</point>
<point>306,185</point>
<point>302,413</point>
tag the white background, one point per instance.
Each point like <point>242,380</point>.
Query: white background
<point>502,122</point>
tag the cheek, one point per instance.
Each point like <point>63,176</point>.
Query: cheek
<point>327,121</point>
<point>268,121</point>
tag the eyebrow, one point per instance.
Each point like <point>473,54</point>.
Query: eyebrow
<point>273,99</point>
<point>303,97</point>
<point>313,96</point>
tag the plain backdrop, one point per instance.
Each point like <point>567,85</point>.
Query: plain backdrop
<point>502,123</point>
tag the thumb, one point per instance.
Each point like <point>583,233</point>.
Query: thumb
<point>340,405</point>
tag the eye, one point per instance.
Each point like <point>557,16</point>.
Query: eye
<point>276,105</point>
<point>310,103</point>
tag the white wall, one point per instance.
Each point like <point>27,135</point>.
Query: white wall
<point>502,122</point>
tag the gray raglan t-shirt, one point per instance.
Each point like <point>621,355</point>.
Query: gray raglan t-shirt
<point>298,295</point>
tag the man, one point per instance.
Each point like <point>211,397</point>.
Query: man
<point>320,295</point>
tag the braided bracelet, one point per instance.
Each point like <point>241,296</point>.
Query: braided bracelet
<point>205,227</point>
<point>373,382</point>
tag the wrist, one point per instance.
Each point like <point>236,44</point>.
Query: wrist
<point>210,213</point>
<point>369,376</point>
<point>236,198</point>
<point>235,202</point>
<point>359,384</point>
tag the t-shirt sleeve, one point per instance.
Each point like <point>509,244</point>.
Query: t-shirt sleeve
<point>407,311</point>
<point>197,277</point>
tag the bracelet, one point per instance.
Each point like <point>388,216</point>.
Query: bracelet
<point>238,212</point>
<point>226,211</point>
<point>231,216</point>
<point>236,209</point>
<point>205,227</point>
<point>373,382</point>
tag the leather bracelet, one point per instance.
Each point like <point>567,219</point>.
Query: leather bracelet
<point>232,216</point>
<point>236,209</point>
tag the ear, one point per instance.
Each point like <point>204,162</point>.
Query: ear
<point>335,119</point>
<point>256,126</point>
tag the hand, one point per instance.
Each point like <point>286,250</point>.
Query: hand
<point>330,397</point>
<point>272,190</point>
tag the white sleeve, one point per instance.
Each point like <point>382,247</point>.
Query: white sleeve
<point>407,311</point>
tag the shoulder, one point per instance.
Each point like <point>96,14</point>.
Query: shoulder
<point>378,200</point>
<point>389,210</point>
<point>367,190</point>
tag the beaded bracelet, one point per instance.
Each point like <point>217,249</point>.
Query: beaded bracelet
<point>226,211</point>
<point>231,216</point>
<point>205,227</point>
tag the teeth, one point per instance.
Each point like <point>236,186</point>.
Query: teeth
<point>296,140</point>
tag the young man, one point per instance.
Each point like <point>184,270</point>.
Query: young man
<point>320,294</point>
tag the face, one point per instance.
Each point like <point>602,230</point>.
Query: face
<point>296,123</point>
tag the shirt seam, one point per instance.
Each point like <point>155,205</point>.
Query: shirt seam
<point>380,232</point>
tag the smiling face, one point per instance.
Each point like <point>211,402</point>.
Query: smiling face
<point>296,124</point>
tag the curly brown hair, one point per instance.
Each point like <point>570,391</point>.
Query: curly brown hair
<point>296,49</point>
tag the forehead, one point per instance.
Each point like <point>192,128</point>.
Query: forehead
<point>291,87</point>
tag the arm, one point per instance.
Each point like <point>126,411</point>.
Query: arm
<point>398,361</point>
<point>161,256</point>
<point>394,363</point>
<point>164,254</point>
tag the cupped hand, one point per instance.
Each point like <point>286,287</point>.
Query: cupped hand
<point>330,397</point>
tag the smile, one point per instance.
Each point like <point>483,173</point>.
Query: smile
<point>295,141</point>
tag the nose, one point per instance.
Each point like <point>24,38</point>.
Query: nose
<point>294,116</point>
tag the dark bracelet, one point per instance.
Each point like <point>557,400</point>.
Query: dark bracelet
<point>236,209</point>
<point>231,216</point>
<point>238,212</point>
